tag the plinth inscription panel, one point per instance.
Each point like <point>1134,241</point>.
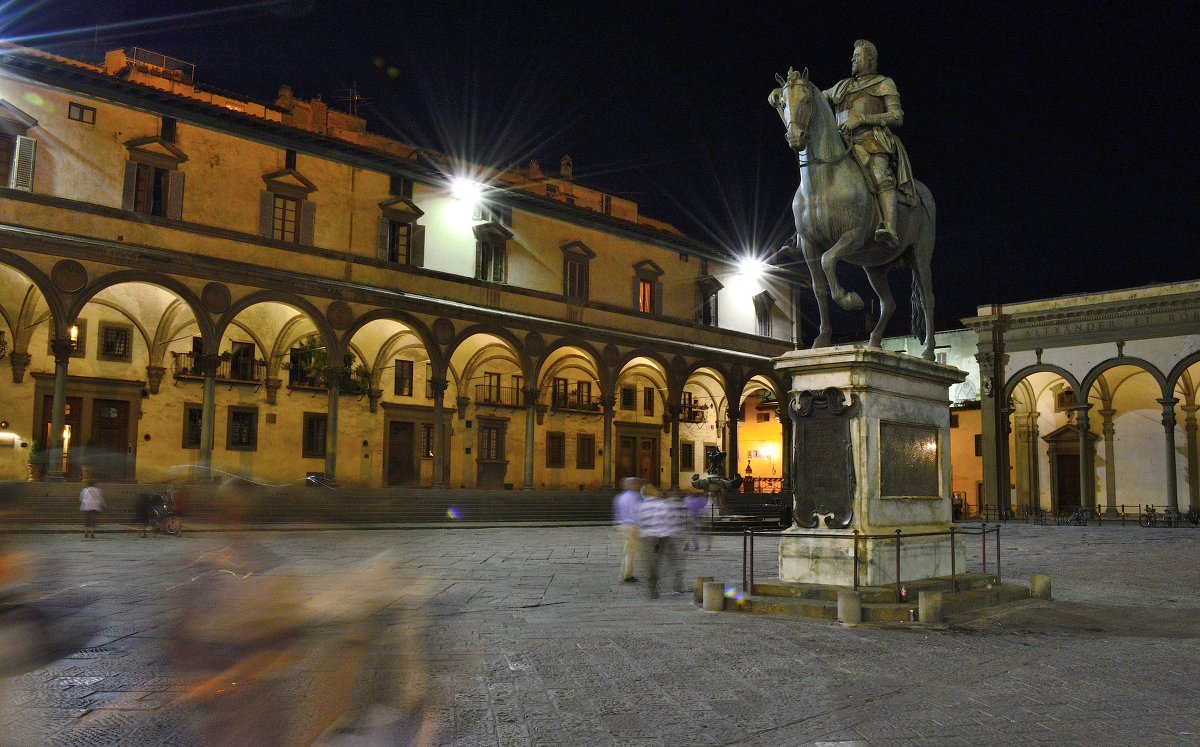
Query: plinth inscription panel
<point>908,460</point>
<point>824,471</point>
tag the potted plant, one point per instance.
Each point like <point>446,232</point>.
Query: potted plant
<point>37,461</point>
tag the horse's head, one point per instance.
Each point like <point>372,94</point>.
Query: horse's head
<point>794,102</point>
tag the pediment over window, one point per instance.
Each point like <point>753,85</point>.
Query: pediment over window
<point>709,286</point>
<point>13,120</point>
<point>289,182</point>
<point>492,231</point>
<point>764,300</point>
<point>647,269</point>
<point>401,210</point>
<point>578,249</point>
<point>155,151</point>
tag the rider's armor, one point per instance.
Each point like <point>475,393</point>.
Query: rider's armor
<point>875,103</point>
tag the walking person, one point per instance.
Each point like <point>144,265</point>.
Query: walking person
<point>91,503</point>
<point>625,506</point>
<point>660,523</point>
<point>698,507</point>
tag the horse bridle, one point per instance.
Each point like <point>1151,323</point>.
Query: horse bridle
<point>800,81</point>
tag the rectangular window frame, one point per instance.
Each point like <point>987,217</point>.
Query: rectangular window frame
<point>106,330</point>
<point>645,296</point>
<point>193,418</point>
<point>585,451</point>
<point>248,441</point>
<point>403,386</point>
<point>285,218</point>
<point>648,402</point>
<point>427,440</point>
<point>80,113</point>
<point>312,442</point>
<point>687,456</point>
<point>556,450</point>
<point>628,398</point>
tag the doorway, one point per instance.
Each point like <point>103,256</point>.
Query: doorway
<point>1066,480</point>
<point>637,456</point>
<point>108,449</point>
<point>400,469</point>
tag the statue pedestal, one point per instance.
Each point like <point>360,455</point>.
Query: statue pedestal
<point>871,455</point>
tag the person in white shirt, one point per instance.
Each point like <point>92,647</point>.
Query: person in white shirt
<point>91,503</point>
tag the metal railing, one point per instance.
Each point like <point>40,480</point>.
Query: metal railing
<point>511,396</point>
<point>1120,514</point>
<point>762,485</point>
<point>574,401</point>
<point>187,365</point>
<point>982,532</point>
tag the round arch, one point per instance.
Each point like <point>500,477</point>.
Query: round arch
<point>1178,369</point>
<point>1098,371</point>
<point>167,283</point>
<point>414,325</point>
<point>1011,384</point>
<point>50,294</point>
<point>328,335</point>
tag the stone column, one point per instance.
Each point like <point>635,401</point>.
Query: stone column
<point>62,350</point>
<point>208,367</point>
<point>1168,421</point>
<point>1087,457</point>
<point>731,460</point>
<point>531,395</point>
<point>1025,458</point>
<point>992,419</point>
<point>1110,466</point>
<point>439,432</point>
<point>1003,465</point>
<point>1193,457</point>
<point>333,380</point>
<point>609,403</point>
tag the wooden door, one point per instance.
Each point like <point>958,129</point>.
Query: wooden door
<point>626,451</point>
<point>1066,468</point>
<point>72,419</point>
<point>400,453</point>
<point>109,447</point>
<point>648,460</point>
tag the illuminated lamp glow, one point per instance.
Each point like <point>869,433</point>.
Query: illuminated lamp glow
<point>465,190</point>
<point>751,267</point>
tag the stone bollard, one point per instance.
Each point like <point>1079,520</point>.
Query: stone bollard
<point>1039,586</point>
<point>698,589</point>
<point>849,607</point>
<point>714,596</point>
<point>929,605</point>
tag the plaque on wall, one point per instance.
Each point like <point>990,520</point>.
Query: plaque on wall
<point>824,458</point>
<point>908,460</point>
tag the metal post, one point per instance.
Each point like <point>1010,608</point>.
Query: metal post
<point>983,537</point>
<point>856,560</point>
<point>953,582</point>
<point>897,566</point>
<point>750,589</point>
<point>744,545</point>
<point>997,553</point>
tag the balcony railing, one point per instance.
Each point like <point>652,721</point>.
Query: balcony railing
<point>692,413</point>
<point>574,401</point>
<point>509,396</point>
<point>248,370</point>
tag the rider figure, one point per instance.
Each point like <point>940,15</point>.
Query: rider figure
<point>867,107</point>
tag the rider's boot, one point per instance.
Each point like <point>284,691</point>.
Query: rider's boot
<point>886,233</point>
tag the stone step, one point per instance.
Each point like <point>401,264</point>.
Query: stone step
<point>872,594</point>
<point>821,602</point>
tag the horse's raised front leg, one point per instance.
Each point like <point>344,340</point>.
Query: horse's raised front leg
<point>820,288</point>
<point>877,276</point>
<point>849,301</point>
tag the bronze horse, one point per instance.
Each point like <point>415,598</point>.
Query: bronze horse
<point>836,215</point>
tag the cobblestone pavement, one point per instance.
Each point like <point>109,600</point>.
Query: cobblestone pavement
<point>531,640</point>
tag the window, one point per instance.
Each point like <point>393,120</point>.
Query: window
<point>585,451</point>
<point>401,239</point>
<point>489,264</point>
<point>940,356</point>
<point>498,214</point>
<point>978,445</point>
<point>115,342</point>
<point>81,113</point>
<point>687,456</point>
<point>428,381</point>
<point>284,212</point>
<point>556,450</point>
<point>576,257</point>
<point>559,396</point>
<point>628,398</point>
<point>764,305</point>
<point>404,378</point>
<point>648,401</point>
<point>243,429</point>
<point>491,443</point>
<point>606,204</point>
<point>315,425</point>
<point>289,159</point>
<point>762,417</point>
<point>16,149</point>
<point>551,191</point>
<point>192,417</point>
<point>647,288</point>
<point>398,186</point>
<point>241,361</point>
<point>518,385</point>
<point>709,287</point>
<point>491,387</point>
<point>397,242</point>
<point>153,182</point>
<point>427,440</point>
<point>150,187</point>
<point>169,129</point>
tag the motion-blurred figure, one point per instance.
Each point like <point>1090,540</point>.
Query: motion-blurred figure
<point>625,506</point>
<point>661,522</point>
<point>91,503</point>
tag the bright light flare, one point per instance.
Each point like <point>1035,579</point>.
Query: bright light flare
<point>466,190</point>
<point>751,268</point>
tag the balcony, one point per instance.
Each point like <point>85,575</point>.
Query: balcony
<point>233,370</point>
<point>692,413</point>
<point>574,402</point>
<point>505,396</point>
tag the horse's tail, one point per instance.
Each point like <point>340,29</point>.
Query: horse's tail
<point>918,308</point>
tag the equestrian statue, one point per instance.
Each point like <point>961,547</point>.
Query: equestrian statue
<point>857,201</point>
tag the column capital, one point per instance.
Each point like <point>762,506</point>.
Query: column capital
<point>208,364</point>
<point>62,350</point>
<point>439,387</point>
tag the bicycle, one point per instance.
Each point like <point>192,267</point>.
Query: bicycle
<point>1149,517</point>
<point>1080,517</point>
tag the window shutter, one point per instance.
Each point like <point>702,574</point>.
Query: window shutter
<point>637,301</point>
<point>127,194</point>
<point>479,250</point>
<point>658,297</point>
<point>416,246</point>
<point>22,171</point>
<point>266,217</point>
<point>381,239</point>
<point>308,222</point>
<point>175,194</point>
<point>498,263</point>
<point>584,291</point>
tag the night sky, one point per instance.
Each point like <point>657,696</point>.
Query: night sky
<point>1052,135</point>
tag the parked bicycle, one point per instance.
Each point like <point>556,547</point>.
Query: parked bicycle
<point>1149,517</point>
<point>1081,516</point>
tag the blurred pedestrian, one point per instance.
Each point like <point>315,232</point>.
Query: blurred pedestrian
<point>625,517</point>
<point>141,511</point>
<point>179,503</point>
<point>91,503</point>
<point>698,507</point>
<point>660,524</point>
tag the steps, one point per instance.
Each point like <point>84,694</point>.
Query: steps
<point>974,591</point>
